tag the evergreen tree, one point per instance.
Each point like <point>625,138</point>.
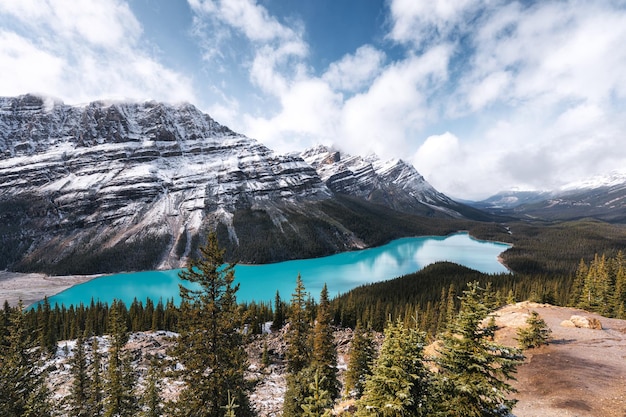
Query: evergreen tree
<point>95,401</point>
<point>120,384</point>
<point>400,384</point>
<point>298,353</point>
<point>324,357</point>
<point>361,356</point>
<point>473,370</point>
<point>151,398</point>
<point>278,320</point>
<point>78,399</point>
<point>298,337</point>
<point>23,389</point>
<point>320,401</point>
<point>210,345</point>
<point>537,332</point>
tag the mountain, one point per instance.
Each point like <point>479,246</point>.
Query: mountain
<point>510,199</point>
<point>393,183</point>
<point>105,187</point>
<point>601,197</point>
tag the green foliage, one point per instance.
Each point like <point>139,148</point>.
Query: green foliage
<point>298,354</point>
<point>320,401</point>
<point>473,370</point>
<point>298,337</point>
<point>121,380</point>
<point>278,320</point>
<point>537,332</point>
<point>79,390</point>
<point>210,345</point>
<point>361,358</point>
<point>324,356</point>
<point>601,285</point>
<point>400,384</point>
<point>151,399</point>
<point>23,389</point>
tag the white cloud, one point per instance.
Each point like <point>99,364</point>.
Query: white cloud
<point>424,21</point>
<point>354,71</point>
<point>82,51</point>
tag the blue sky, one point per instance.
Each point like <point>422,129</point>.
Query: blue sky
<point>480,95</point>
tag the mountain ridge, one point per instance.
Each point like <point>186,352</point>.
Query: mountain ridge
<point>110,186</point>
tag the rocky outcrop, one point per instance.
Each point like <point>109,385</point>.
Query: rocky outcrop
<point>582,322</point>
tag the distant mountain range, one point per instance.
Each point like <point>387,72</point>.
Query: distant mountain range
<point>602,197</point>
<point>115,186</point>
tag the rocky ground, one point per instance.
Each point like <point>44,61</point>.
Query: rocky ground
<point>581,373</point>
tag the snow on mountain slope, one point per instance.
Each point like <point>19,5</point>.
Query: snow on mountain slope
<point>117,172</point>
<point>394,182</point>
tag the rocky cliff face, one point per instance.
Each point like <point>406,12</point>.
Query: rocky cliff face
<point>110,173</point>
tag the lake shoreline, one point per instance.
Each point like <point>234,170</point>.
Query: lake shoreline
<point>31,288</point>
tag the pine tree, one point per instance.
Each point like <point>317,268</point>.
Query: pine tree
<point>151,399</point>
<point>361,356</point>
<point>121,380</point>
<point>95,401</point>
<point>400,384</point>
<point>210,345</point>
<point>78,399</point>
<point>298,353</point>
<point>324,355</point>
<point>537,332</point>
<point>320,401</point>
<point>298,343</point>
<point>279,314</point>
<point>473,370</point>
<point>23,389</point>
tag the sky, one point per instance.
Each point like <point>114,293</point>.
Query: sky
<point>479,95</point>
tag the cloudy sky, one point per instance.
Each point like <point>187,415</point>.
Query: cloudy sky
<point>480,95</point>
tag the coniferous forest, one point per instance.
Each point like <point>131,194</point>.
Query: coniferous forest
<point>444,302</point>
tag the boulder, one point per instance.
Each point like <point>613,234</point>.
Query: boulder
<point>582,322</point>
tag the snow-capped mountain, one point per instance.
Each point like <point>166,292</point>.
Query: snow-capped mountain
<point>393,183</point>
<point>601,197</point>
<point>111,186</point>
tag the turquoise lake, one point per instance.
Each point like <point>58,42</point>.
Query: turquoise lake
<point>341,272</point>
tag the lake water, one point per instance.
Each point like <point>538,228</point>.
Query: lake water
<point>341,272</point>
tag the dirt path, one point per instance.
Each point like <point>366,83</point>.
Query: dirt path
<point>31,288</point>
<point>581,373</point>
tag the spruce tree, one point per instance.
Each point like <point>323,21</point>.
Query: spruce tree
<point>210,345</point>
<point>151,399</point>
<point>535,334</point>
<point>278,320</point>
<point>400,384</point>
<point>78,399</point>
<point>120,385</point>
<point>361,358</point>
<point>473,371</point>
<point>324,355</point>
<point>95,401</point>
<point>298,353</point>
<point>319,402</point>
<point>23,389</point>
